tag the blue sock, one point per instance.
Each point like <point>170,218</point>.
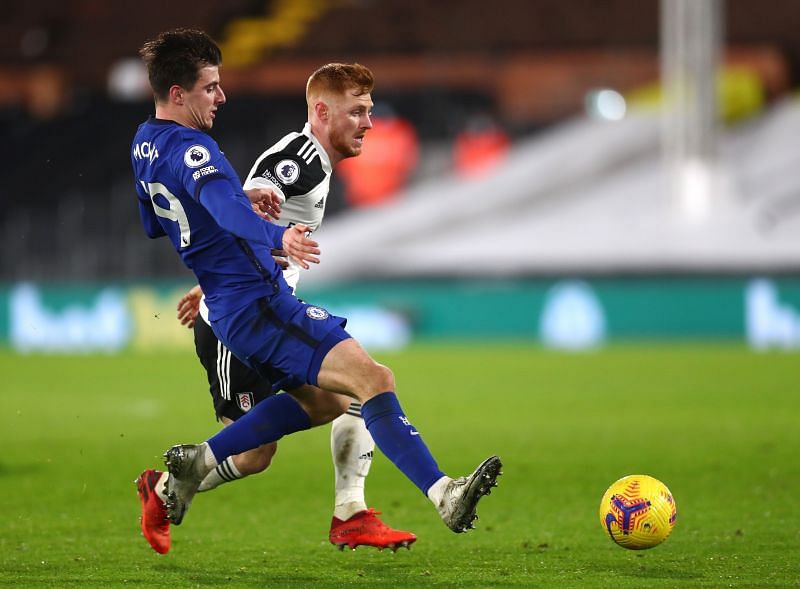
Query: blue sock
<point>268,421</point>
<point>399,440</point>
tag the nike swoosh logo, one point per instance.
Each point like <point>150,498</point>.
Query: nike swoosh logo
<point>414,433</point>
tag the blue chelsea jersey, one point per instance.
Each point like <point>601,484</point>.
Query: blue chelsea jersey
<point>171,163</point>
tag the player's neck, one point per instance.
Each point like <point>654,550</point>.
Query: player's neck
<point>322,138</point>
<point>168,113</point>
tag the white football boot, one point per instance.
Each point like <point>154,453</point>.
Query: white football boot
<point>187,469</point>
<point>461,496</point>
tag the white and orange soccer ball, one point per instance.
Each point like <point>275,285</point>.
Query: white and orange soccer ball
<point>638,512</point>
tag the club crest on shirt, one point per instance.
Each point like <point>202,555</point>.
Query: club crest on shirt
<point>196,156</point>
<point>316,313</point>
<point>244,401</point>
<point>287,171</point>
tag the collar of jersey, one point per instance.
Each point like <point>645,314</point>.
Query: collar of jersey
<point>154,121</point>
<point>323,155</point>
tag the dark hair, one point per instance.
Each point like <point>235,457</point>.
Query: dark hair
<point>340,77</point>
<point>176,57</point>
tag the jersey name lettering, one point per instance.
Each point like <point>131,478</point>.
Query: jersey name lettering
<point>145,151</point>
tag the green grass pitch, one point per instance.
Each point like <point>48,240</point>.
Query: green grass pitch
<point>718,424</point>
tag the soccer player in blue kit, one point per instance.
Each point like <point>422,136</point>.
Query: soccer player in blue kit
<point>189,192</point>
<point>297,169</point>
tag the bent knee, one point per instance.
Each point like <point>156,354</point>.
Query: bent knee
<point>381,380</point>
<point>384,379</point>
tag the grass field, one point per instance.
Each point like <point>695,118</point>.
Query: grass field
<point>718,424</point>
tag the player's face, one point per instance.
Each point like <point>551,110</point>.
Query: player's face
<point>349,122</point>
<point>204,98</point>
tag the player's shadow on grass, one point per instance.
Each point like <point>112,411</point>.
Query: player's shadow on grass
<point>178,576</point>
<point>15,470</point>
<point>650,571</point>
<point>261,575</point>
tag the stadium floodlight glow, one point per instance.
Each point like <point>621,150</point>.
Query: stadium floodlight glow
<point>695,188</point>
<point>606,104</point>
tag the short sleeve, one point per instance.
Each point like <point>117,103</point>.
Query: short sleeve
<point>197,160</point>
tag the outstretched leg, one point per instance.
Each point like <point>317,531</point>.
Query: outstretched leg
<point>348,368</point>
<point>267,422</point>
<point>338,364</point>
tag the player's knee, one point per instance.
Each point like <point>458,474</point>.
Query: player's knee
<point>387,378</point>
<point>381,380</point>
<point>350,370</point>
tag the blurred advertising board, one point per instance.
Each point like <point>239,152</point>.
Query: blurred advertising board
<point>569,314</point>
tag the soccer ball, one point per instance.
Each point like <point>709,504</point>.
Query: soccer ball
<point>638,512</point>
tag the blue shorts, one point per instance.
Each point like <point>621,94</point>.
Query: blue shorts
<point>281,338</point>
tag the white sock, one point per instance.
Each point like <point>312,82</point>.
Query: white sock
<point>352,448</point>
<point>210,462</point>
<point>436,491</point>
<point>160,488</point>
<point>208,456</point>
<point>224,472</point>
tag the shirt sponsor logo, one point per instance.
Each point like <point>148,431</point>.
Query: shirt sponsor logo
<point>317,313</point>
<point>287,171</point>
<point>196,156</point>
<point>204,172</point>
<point>270,176</point>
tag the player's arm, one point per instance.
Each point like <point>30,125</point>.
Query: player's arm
<point>149,218</point>
<point>266,202</point>
<point>235,216</point>
<point>189,306</point>
<point>284,172</point>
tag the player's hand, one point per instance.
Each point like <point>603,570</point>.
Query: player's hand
<point>266,202</point>
<point>299,246</point>
<point>281,258</point>
<point>189,306</point>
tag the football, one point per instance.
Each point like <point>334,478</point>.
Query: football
<point>638,512</point>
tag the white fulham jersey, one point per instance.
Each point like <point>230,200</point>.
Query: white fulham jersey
<point>299,170</point>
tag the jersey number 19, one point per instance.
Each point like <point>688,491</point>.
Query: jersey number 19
<point>175,212</point>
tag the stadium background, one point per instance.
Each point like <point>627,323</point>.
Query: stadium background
<point>573,265</point>
<point>534,177</point>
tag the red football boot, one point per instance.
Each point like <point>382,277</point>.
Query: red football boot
<point>155,525</point>
<point>366,529</point>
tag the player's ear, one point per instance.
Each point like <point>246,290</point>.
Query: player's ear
<point>321,110</point>
<point>176,94</point>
